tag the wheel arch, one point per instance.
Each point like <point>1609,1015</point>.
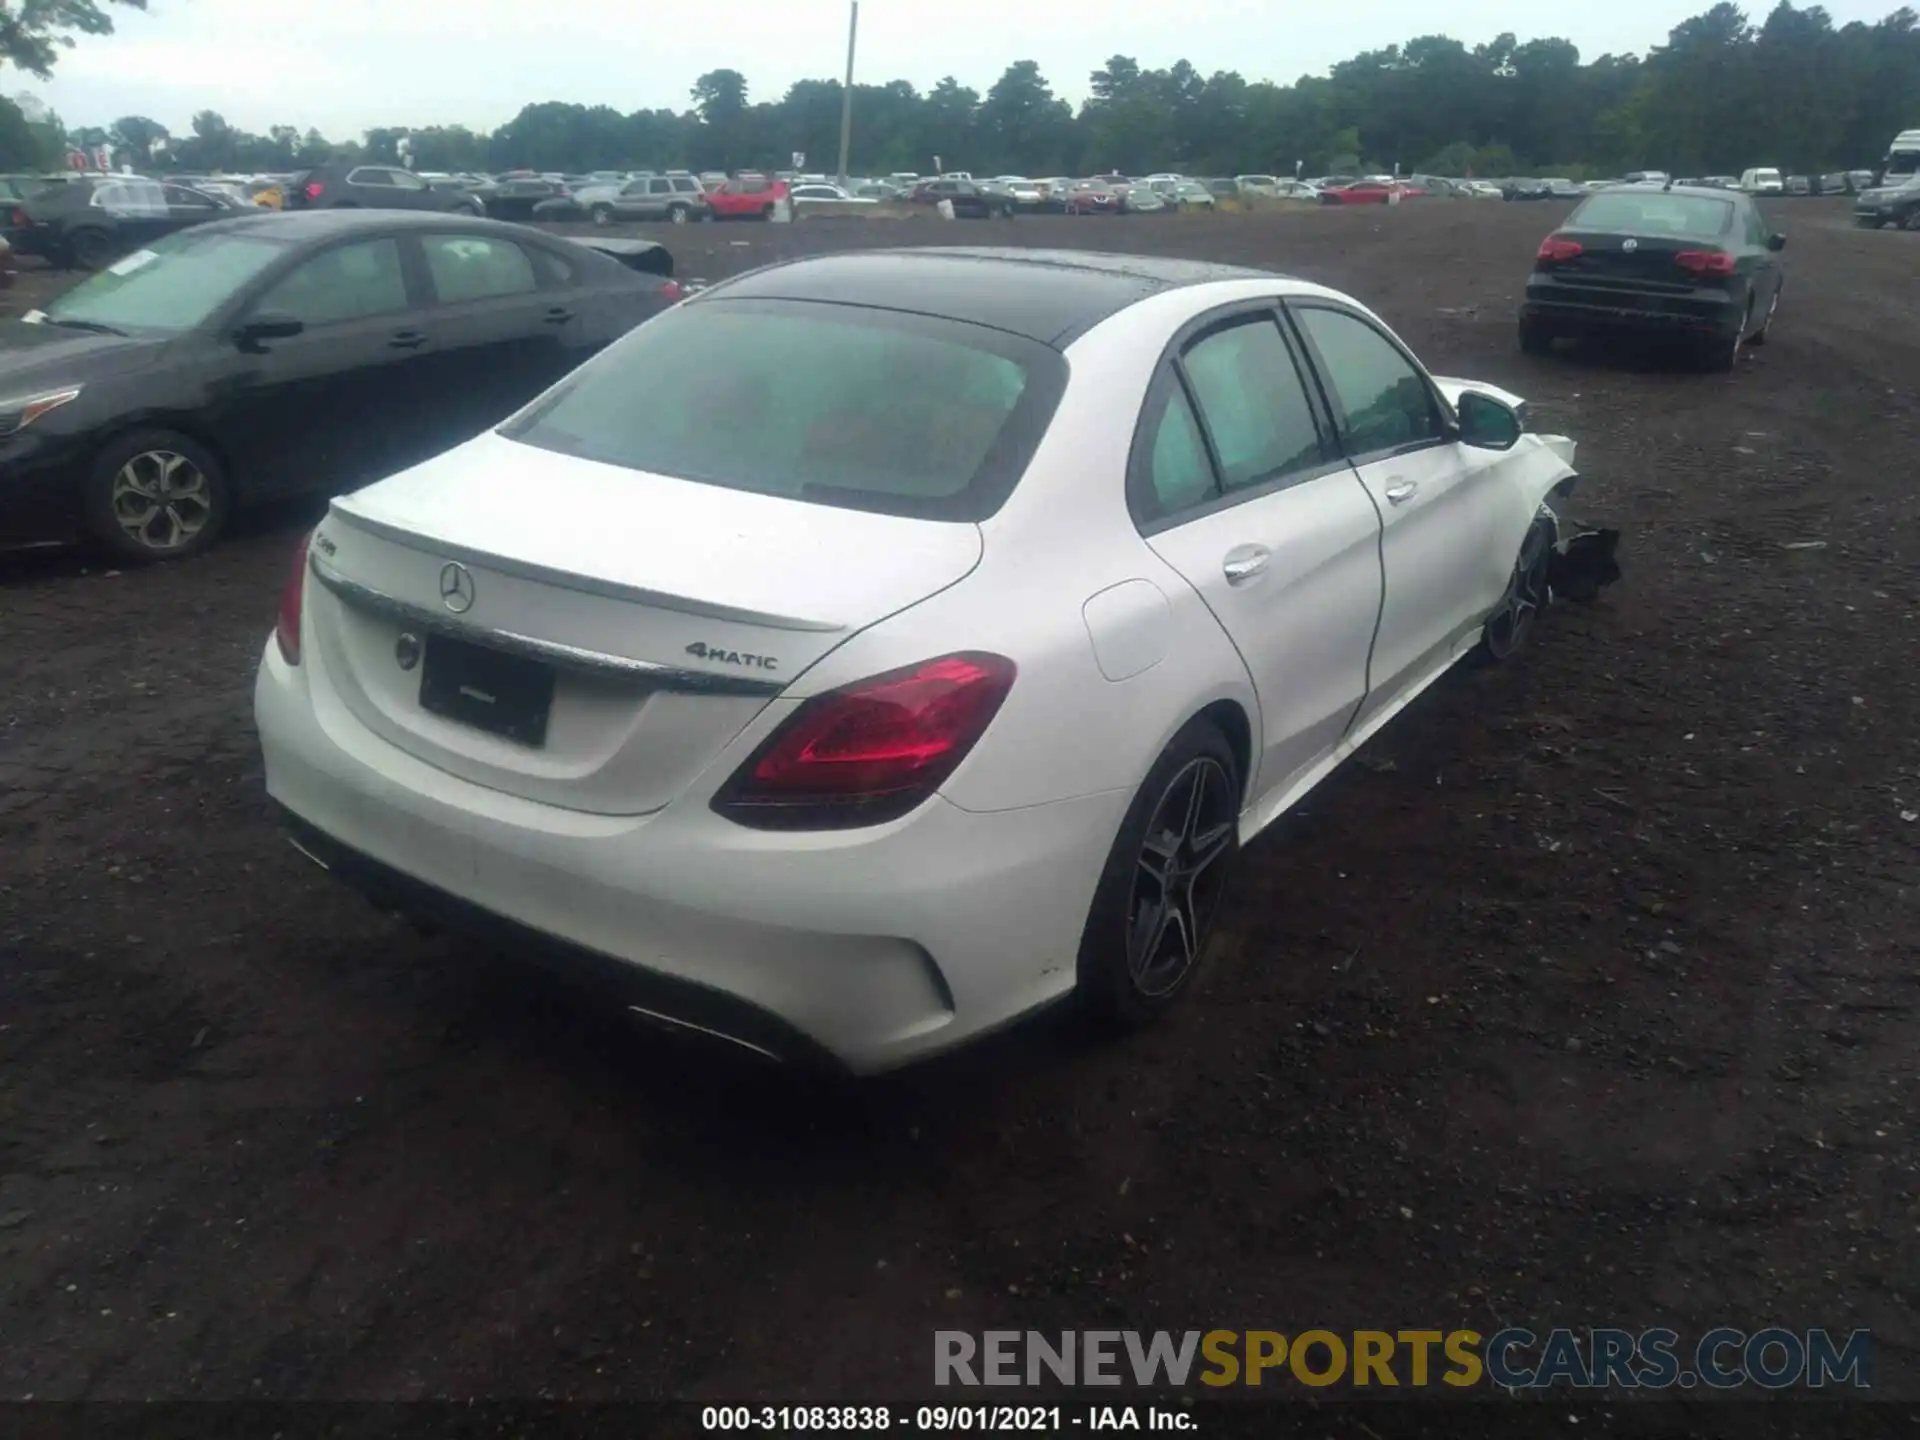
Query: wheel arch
<point>1232,721</point>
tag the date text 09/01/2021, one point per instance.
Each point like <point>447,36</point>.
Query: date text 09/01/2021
<point>944,1419</point>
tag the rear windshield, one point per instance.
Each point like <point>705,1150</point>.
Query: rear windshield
<point>1654,212</point>
<point>834,404</point>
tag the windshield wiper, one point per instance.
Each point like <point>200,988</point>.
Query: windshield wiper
<point>92,327</point>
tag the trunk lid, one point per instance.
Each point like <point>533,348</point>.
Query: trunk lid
<point>588,636</point>
<point>1629,262</point>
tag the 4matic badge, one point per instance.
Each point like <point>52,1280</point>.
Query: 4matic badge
<point>700,650</point>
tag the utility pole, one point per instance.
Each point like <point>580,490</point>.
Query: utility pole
<point>846,91</point>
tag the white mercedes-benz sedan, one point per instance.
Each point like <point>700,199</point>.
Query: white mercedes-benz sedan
<point>880,646</point>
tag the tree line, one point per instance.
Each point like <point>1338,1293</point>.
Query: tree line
<point>1721,94</point>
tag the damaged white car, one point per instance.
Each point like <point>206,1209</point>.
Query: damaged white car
<point>877,647</point>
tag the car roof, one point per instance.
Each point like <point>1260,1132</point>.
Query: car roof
<point>295,226</point>
<point>1052,296</point>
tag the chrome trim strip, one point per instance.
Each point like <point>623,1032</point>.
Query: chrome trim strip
<point>552,652</point>
<point>676,1023</point>
<point>585,584</point>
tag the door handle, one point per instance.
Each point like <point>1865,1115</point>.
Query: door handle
<point>1401,491</point>
<point>406,340</point>
<point>559,315</point>
<point>1244,563</point>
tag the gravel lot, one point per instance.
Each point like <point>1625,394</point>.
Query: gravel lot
<point>1585,996</point>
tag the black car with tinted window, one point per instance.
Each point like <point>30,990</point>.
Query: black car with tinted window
<point>88,224</point>
<point>271,355</point>
<point>1687,264</point>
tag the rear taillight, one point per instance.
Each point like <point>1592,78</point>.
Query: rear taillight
<point>1705,262</point>
<point>869,752</point>
<point>19,220</point>
<point>671,292</point>
<point>287,628</point>
<point>314,190</point>
<point>1555,248</point>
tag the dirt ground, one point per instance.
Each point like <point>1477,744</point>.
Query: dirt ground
<point>1586,996</point>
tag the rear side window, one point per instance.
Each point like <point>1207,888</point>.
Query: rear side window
<point>477,267</point>
<point>1254,404</point>
<point>1654,212</point>
<point>832,404</point>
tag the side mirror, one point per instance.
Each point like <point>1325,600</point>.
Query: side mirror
<point>1776,242</point>
<point>267,325</point>
<point>1486,423</point>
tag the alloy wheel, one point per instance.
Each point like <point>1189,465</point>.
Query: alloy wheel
<point>1179,877</point>
<point>1513,618</point>
<point>161,499</point>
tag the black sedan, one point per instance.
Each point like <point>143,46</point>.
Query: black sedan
<point>275,354</point>
<point>84,225</point>
<point>517,199</point>
<point>1690,264</point>
<point>970,200</point>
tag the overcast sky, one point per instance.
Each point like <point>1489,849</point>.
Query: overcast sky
<point>345,65</point>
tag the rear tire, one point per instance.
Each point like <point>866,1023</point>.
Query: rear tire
<point>91,248</point>
<point>1535,338</point>
<point>1912,221</point>
<point>677,214</point>
<point>766,212</point>
<point>601,214</point>
<point>1159,894</point>
<point>1723,352</point>
<point>155,495</point>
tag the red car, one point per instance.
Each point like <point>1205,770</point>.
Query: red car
<point>1361,192</point>
<point>1094,198</point>
<point>746,197</point>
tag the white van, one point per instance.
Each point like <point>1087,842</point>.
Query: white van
<point>1903,158</point>
<point>1762,182</point>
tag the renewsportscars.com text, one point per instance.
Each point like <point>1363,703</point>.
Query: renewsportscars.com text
<point>1773,1358</point>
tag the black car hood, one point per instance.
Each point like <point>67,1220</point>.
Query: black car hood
<point>31,354</point>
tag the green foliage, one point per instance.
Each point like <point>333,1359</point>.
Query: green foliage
<point>1719,96</point>
<point>34,33</point>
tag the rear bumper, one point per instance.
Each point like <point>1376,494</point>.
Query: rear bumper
<point>872,948</point>
<point>1573,308</point>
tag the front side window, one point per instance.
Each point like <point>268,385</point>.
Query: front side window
<point>477,267</point>
<point>1385,403</point>
<point>833,404</point>
<point>1255,406</point>
<point>132,198</point>
<point>348,282</point>
<point>407,180</point>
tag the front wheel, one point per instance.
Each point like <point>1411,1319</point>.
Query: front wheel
<point>601,214</point>
<point>155,495</point>
<point>1157,899</point>
<point>1512,620</point>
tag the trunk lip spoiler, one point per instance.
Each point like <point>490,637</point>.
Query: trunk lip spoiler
<point>569,580</point>
<point>552,652</point>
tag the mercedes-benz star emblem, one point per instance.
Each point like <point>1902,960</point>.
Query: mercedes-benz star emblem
<point>1629,245</point>
<point>456,587</point>
<point>406,650</point>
